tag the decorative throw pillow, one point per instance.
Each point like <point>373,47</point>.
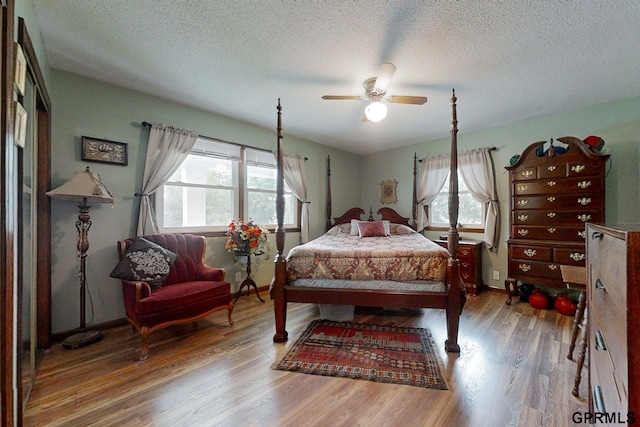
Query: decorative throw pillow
<point>371,229</point>
<point>355,231</point>
<point>146,261</point>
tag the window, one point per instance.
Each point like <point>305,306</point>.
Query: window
<point>471,214</point>
<point>219,182</point>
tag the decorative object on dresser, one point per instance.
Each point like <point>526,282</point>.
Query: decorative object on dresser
<point>554,192</point>
<point>613,298</point>
<point>470,257</point>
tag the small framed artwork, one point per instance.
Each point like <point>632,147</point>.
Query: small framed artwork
<point>388,192</point>
<point>104,151</point>
<point>20,70</point>
<point>20,126</point>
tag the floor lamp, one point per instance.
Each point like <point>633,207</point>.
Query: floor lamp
<point>83,188</point>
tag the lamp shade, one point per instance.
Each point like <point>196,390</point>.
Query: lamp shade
<point>375,111</point>
<point>83,185</point>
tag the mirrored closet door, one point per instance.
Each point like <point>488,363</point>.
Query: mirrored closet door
<point>34,223</point>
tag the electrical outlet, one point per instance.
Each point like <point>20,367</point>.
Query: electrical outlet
<point>496,275</point>
<point>238,276</point>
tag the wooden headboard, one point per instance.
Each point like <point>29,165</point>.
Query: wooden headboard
<point>353,213</point>
<point>393,216</point>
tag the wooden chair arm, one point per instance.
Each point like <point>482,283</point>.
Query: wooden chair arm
<point>143,290</point>
<point>213,274</point>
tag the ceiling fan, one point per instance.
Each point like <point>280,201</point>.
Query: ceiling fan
<point>375,89</point>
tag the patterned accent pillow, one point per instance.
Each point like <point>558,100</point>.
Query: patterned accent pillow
<point>371,229</point>
<point>355,231</point>
<point>145,261</point>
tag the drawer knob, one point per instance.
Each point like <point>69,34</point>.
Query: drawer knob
<point>524,267</point>
<point>577,256</point>
<point>584,217</point>
<point>600,285</point>
<point>529,252</point>
<point>596,235</point>
<point>584,201</point>
<point>600,345</point>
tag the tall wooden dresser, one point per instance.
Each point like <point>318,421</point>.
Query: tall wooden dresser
<point>553,194</point>
<point>613,298</point>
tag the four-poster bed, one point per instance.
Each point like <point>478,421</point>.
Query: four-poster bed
<point>422,275</point>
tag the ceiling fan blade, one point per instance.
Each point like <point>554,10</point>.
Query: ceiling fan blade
<point>416,100</point>
<point>347,97</point>
<point>384,76</point>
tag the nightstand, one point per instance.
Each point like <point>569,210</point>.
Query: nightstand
<point>470,259</point>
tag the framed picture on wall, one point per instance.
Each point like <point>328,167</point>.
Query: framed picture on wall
<point>388,192</point>
<point>20,70</point>
<point>20,126</point>
<point>104,151</point>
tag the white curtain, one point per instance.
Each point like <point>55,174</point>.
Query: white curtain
<point>431,177</point>
<point>167,149</point>
<point>296,177</point>
<point>476,168</point>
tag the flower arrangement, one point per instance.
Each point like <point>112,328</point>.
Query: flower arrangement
<point>245,238</point>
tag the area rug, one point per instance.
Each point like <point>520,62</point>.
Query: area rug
<point>375,353</point>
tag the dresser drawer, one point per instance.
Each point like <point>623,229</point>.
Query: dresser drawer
<point>554,202</point>
<point>573,256</point>
<point>550,232</point>
<point>560,216</point>
<point>466,252</point>
<point>581,169</point>
<point>548,270</point>
<point>532,253</point>
<point>556,186</point>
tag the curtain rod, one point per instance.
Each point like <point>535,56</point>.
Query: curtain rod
<point>488,148</point>
<point>147,124</point>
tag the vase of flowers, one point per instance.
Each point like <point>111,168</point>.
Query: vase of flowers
<point>246,238</point>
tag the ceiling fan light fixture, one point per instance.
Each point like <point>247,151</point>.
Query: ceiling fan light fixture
<point>375,111</point>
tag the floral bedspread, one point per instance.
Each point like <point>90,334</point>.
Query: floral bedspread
<point>403,256</point>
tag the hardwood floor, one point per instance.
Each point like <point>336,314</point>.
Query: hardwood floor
<point>512,371</point>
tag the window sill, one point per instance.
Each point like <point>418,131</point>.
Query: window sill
<point>462,229</point>
<point>224,233</point>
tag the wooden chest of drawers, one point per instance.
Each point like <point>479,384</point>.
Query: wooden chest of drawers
<point>613,298</point>
<point>552,196</point>
<point>470,259</point>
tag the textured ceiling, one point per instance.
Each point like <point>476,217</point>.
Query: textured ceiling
<point>508,60</point>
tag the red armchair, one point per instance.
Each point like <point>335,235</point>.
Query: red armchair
<point>190,291</point>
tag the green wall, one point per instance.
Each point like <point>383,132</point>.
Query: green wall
<point>618,123</point>
<point>85,107</point>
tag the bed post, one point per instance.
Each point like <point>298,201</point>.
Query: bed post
<point>280,279</point>
<point>328,226</point>
<point>455,296</point>
<point>414,208</point>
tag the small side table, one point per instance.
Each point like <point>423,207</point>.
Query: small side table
<point>248,282</point>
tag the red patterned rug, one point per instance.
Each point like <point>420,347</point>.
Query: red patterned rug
<point>376,353</point>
